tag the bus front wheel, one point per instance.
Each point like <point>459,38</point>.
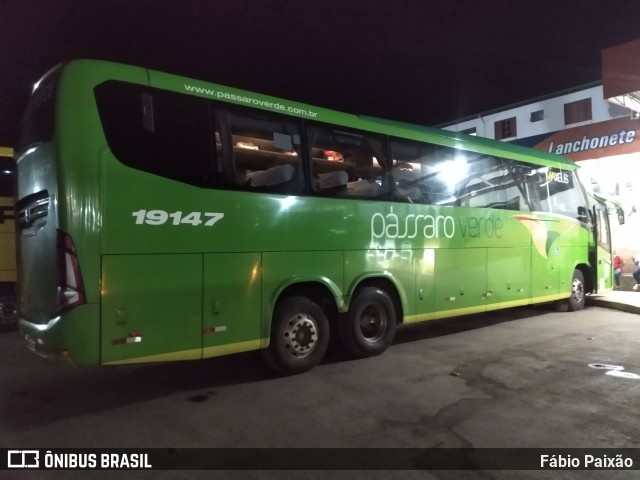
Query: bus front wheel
<point>299,336</point>
<point>577,299</point>
<point>370,326</point>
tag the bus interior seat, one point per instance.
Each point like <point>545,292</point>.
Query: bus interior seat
<point>278,175</point>
<point>407,189</point>
<point>363,188</point>
<point>332,179</point>
<point>370,172</point>
<point>408,194</point>
<point>332,182</point>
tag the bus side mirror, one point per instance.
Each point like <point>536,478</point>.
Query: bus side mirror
<point>620,216</point>
<point>582,214</point>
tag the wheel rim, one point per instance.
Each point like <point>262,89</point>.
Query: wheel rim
<point>577,290</point>
<point>373,322</point>
<point>300,335</point>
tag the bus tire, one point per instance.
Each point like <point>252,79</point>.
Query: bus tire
<point>578,298</point>
<point>299,336</point>
<point>370,325</point>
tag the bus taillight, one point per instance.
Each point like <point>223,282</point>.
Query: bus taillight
<point>70,286</point>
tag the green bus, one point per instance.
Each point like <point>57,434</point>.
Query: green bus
<point>164,218</point>
<point>8,315</point>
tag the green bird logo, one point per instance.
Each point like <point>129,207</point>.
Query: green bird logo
<point>541,236</point>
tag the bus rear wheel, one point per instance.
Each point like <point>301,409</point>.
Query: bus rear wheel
<point>578,297</point>
<point>299,336</point>
<point>370,326</point>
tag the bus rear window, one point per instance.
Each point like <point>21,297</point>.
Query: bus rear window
<point>37,123</point>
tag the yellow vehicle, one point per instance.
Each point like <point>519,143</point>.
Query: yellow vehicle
<point>8,317</point>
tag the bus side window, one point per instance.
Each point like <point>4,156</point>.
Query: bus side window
<point>157,131</point>
<point>604,236</point>
<point>519,191</point>
<point>557,191</point>
<point>423,172</point>
<point>347,163</point>
<point>440,175</point>
<point>490,185</point>
<point>260,152</point>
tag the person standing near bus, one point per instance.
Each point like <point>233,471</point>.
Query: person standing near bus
<point>636,273</point>
<point>617,269</point>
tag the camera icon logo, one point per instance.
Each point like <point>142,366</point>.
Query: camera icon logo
<point>23,459</point>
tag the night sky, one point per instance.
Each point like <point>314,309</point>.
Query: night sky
<point>422,61</point>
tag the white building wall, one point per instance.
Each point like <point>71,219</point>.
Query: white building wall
<point>553,116</point>
<point>613,174</point>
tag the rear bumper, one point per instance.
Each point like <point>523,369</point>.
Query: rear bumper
<point>39,339</point>
<point>73,337</point>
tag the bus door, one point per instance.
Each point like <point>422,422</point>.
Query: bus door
<point>603,262</point>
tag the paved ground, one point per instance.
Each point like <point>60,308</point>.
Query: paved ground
<point>520,378</point>
<point>625,301</point>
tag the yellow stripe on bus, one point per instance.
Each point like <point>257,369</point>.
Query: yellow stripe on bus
<point>482,308</point>
<point>194,354</point>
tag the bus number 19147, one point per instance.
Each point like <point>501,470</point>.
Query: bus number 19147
<point>161,217</point>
